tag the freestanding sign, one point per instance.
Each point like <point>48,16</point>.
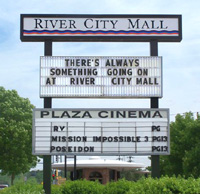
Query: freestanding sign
<point>102,77</point>
<point>101,132</point>
<point>104,28</point>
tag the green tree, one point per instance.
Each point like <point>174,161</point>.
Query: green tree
<point>185,147</point>
<point>15,134</point>
<point>38,175</point>
<point>132,175</point>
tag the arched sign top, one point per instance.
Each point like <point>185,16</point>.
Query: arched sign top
<point>101,28</point>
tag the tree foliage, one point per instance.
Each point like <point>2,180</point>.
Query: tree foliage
<point>184,158</point>
<point>132,175</point>
<point>15,133</point>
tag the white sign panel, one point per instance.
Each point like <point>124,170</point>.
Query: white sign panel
<point>101,132</point>
<point>104,77</point>
<point>101,27</point>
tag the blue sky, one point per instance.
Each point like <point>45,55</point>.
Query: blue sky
<point>19,61</point>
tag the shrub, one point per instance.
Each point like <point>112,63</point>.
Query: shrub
<point>23,188</point>
<point>82,187</point>
<point>55,189</point>
<point>120,187</point>
<point>166,185</point>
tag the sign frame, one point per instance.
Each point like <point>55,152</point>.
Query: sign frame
<point>108,96</point>
<point>102,109</point>
<point>100,38</point>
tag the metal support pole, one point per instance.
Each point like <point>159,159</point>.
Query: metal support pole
<point>155,164</point>
<point>47,159</point>
<point>66,167</point>
<point>75,173</point>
